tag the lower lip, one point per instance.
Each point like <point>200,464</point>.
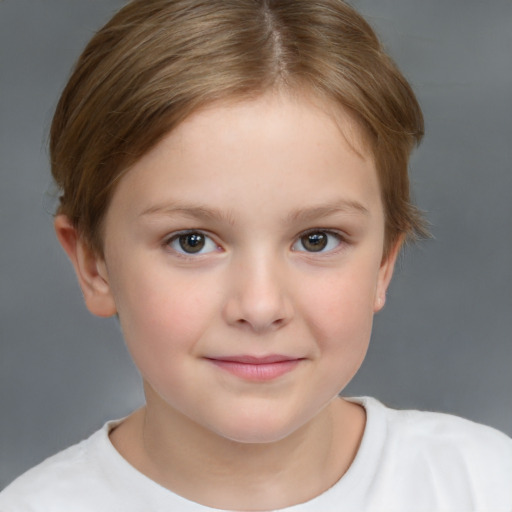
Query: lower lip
<point>257,372</point>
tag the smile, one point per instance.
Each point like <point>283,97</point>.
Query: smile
<point>256,368</point>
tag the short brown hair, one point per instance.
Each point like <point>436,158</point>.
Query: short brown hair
<point>157,61</point>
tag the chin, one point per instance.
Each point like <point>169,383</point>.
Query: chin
<point>262,428</point>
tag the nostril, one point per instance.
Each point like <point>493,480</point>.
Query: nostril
<point>259,303</point>
<point>260,326</point>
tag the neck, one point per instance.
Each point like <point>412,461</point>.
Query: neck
<point>209,469</point>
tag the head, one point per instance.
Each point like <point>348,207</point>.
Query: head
<point>234,180</point>
<point>158,61</point>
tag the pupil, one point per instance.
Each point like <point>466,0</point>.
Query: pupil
<point>192,242</point>
<point>314,242</point>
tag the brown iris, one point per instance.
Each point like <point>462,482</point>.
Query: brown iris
<point>192,242</point>
<point>314,242</point>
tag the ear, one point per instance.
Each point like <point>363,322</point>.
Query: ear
<point>385,274</point>
<point>89,267</point>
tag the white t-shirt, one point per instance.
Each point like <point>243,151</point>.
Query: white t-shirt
<point>407,461</point>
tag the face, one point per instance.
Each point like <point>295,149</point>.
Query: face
<point>244,258</point>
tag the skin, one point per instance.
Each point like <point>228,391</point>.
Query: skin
<point>253,177</point>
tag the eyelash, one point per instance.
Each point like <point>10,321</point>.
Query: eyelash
<point>340,240</point>
<point>175,237</point>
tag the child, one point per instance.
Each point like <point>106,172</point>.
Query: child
<point>234,188</point>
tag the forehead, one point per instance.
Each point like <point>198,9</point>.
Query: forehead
<point>275,150</point>
<point>277,110</point>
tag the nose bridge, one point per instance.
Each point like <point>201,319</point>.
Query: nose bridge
<point>259,297</point>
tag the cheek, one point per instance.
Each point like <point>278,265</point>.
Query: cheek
<point>164,318</point>
<point>339,308</point>
<point>341,324</point>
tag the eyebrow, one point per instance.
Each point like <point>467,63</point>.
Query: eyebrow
<point>195,211</point>
<point>325,210</point>
<point>207,213</point>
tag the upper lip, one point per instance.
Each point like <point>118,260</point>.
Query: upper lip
<point>248,359</point>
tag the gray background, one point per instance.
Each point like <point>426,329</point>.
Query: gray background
<point>443,341</point>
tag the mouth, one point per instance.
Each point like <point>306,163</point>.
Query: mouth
<point>256,368</point>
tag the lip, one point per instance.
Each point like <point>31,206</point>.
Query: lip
<point>256,368</point>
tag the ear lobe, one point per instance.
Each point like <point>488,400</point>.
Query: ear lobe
<point>385,274</point>
<point>89,267</point>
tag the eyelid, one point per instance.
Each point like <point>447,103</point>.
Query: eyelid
<point>182,254</point>
<point>340,236</point>
<point>330,231</point>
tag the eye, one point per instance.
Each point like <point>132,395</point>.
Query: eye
<point>317,241</point>
<point>192,242</point>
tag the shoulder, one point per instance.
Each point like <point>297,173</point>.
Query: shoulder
<point>448,435</point>
<point>88,477</point>
<point>55,482</point>
<point>451,456</point>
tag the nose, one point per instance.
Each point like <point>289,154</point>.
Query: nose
<point>258,296</point>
